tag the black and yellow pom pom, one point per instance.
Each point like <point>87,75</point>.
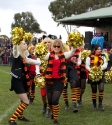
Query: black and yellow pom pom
<point>108,76</point>
<point>19,35</point>
<point>39,81</point>
<point>95,74</point>
<point>75,39</point>
<point>41,50</point>
<point>85,54</point>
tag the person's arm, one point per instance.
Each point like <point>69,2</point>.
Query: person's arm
<point>78,62</point>
<point>46,57</point>
<point>15,51</point>
<point>87,64</point>
<point>32,61</point>
<point>104,66</point>
<point>70,53</point>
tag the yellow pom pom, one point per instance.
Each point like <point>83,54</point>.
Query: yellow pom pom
<point>108,76</point>
<point>85,54</point>
<point>18,35</point>
<point>41,50</point>
<point>39,81</point>
<point>95,74</point>
<point>75,39</point>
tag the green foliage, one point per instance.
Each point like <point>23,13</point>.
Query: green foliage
<point>86,116</point>
<point>66,8</point>
<point>27,22</point>
<point>61,8</point>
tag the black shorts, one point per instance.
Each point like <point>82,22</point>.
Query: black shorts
<point>19,85</point>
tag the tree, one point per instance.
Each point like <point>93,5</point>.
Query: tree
<point>61,8</point>
<point>27,22</point>
<point>66,8</point>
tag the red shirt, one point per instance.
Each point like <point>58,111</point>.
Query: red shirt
<point>55,69</point>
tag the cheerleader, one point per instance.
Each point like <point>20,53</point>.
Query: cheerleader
<point>99,60</point>
<point>82,79</point>
<point>32,73</point>
<point>48,41</point>
<point>20,81</point>
<point>72,76</point>
<point>55,76</point>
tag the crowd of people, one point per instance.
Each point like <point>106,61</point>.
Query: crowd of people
<point>6,52</point>
<point>65,67</point>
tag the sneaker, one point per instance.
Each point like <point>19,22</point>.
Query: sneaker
<point>101,108</point>
<point>44,108</point>
<point>94,108</point>
<point>48,113</point>
<point>75,108</point>
<point>56,122</point>
<point>23,119</point>
<point>12,122</point>
<point>79,103</point>
<point>66,107</point>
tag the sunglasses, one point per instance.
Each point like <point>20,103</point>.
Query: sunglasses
<point>56,46</point>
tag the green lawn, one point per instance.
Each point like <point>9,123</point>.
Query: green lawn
<point>86,116</point>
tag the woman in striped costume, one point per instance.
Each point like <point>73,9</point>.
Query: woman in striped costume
<point>55,76</point>
<point>99,60</point>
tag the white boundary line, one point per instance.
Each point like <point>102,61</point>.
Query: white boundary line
<point>4,72</point>
<point>9,110</point>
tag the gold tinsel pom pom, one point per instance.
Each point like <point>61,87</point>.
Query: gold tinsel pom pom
<point>39,81</point>
<point>43,65</point>
<point>95,74</point>
<point>28,37</point>
<point>85,54</point>
<point>75,39</point>
<point>18,35</point>
<point>108,76</point>
<point>41,50</point>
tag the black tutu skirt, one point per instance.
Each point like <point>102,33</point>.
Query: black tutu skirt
<point>56,86</point>
<point>19,85</point>
<point>71,73</point>
<point>82,75</point>
<point>98,82</point>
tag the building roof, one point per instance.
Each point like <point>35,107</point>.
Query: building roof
<point>95,18</point>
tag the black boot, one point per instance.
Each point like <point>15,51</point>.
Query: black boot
<point>31,100</point>
<point>44,108</point>
<point>66,105</point>
<point>48,113</point>
<point>75,108</point>
<point>94,104</point>
<point>100,106</point>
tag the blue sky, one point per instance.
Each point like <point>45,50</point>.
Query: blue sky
<point>39,9</point>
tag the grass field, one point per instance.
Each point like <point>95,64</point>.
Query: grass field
<point>86,116</point>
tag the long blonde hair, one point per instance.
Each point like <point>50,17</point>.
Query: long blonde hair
<point>23,53</point>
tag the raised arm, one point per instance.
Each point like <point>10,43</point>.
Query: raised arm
<point>32,61</point>
<point>87,63</point>
<point>104,66</point>
<point>15,51</point>
<point>70,53</point>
